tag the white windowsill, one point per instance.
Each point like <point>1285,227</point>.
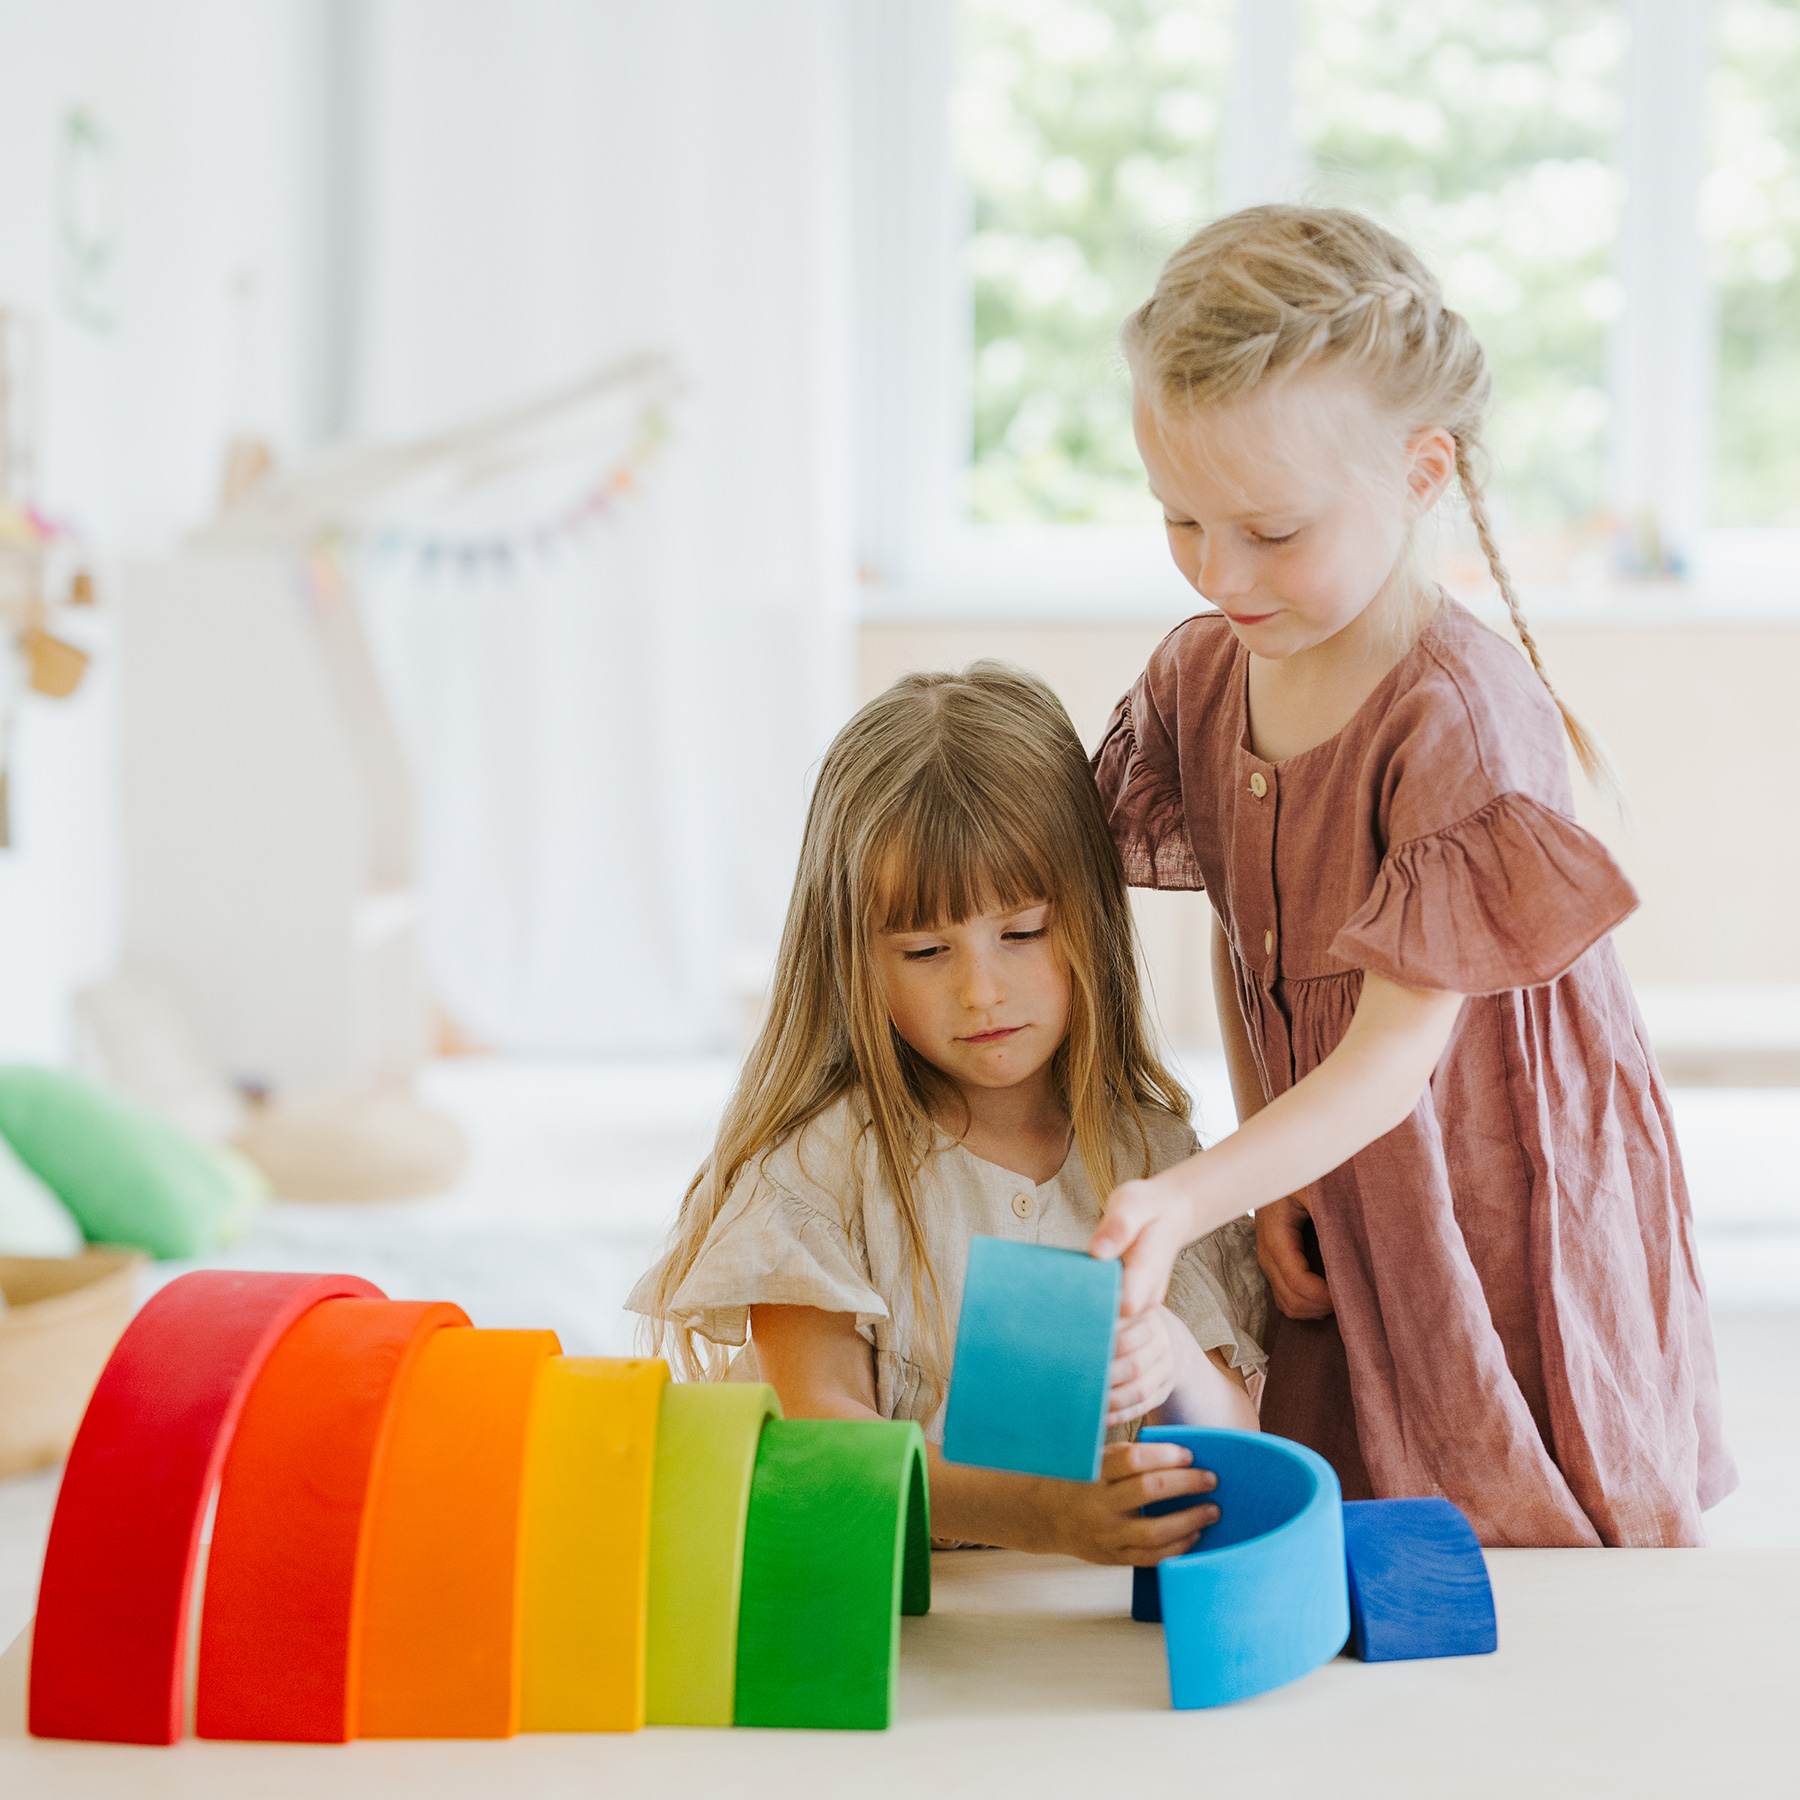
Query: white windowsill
<point>1118,576</point>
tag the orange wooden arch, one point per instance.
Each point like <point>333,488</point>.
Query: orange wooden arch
<point>278,1631</point>
<point>440,1651</point>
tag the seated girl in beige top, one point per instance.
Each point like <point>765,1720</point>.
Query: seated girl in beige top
<point>955,1046</point>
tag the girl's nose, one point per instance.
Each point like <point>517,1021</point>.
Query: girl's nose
<point>980,984</point>
<point>1223,572</point>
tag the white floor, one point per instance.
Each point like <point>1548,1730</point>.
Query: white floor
<point>578,1170</point>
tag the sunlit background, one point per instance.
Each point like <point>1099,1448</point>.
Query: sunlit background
<point>466,804</point>
<point>1090,137</point>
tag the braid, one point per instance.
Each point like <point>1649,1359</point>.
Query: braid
<point>1589,751</point>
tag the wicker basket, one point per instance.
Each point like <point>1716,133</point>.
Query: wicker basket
<point>63,1316</point>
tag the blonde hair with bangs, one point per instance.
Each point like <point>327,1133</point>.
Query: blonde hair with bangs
<point>1273,291</point>
<point>948,796</point>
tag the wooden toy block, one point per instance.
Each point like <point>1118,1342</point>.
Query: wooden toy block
<point>1263,1600</point>
<point>706,1440</point>
<point>109,1654</point>
<point>1033,1351</point>
<point>587,1543</point>
<point>440,1650</point>
<point>837,1547</point>
<point>1418,1581</point>
<point>284,1577</point>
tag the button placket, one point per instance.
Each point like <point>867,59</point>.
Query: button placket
<point>1263,810</point>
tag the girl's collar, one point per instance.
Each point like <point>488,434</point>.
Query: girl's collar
<point>1378,696</point>
<point>946,1142</point>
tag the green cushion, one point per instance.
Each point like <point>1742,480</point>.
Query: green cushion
<point>127,1174</point>
<point>33,1222</point>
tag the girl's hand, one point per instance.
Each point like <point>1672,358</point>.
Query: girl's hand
<point>1145,1225</point>
<point>1099,1521</point>
<point>1146,1361</point>
<point>1298,1291</point>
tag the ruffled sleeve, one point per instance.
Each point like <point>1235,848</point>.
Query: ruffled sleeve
<point>1218,1292</point>
<point>1509,897</point>
<point>769,1247</point>
<point>1139,778</point>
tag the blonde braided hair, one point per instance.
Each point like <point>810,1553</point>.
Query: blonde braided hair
<point>1267,292</point>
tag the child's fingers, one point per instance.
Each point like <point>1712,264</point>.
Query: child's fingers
<point>1138,1230</point>
<point>1125,1404</point>
<point>1132,1336</point>
<point>1298,1291</point>
<point>1168,1534</point>
<point>1134,1558</point>
<point>1147,1266</point>
<point>1119,1462</point>
<point>1140,1351</point>
<point>1129,1208</point>
<point>1163,1484</point>
<point>1137,1383</point>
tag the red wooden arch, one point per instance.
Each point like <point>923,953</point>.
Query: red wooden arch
<point>109,1650</point>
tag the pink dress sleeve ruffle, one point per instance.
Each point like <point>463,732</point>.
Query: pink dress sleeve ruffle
<point>1507,898</point>
<point>1139,778</point>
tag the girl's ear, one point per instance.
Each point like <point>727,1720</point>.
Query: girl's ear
<point>1430,467</point>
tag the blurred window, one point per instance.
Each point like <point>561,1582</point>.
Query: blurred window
<point>1545,156</point>
<point>1085,133</point>
<point>1486,133</point>
<point>1751,213</point>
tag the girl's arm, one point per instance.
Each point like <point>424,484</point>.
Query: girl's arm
<point>1298,1291</point>
<point>1365,1088</point>
<point>1240,1063</point>
<point>822,1368</point>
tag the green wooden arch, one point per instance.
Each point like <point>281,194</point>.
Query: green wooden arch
<point>837,1547</point>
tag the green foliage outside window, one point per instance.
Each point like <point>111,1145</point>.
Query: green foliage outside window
<point>1085,132</point>
<point>1486,132</point>
<point>1751,212</point>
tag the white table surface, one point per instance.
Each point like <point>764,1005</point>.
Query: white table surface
<point>1635,1673</point>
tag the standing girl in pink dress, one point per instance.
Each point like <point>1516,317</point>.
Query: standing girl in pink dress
<point>1435,1052</point>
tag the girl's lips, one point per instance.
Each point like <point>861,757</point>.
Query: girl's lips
<point>993,1037</point>
<point>1248,618</point>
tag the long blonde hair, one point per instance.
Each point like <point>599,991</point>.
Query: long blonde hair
<point>1266,293</point>
<point>944,797</point>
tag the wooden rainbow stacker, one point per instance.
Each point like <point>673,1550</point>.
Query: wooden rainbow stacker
<point>428,1530</point>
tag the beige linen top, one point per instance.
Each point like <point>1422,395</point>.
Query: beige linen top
<point>813,1223</point>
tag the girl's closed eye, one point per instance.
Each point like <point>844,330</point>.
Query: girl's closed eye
<point>1272,541</point>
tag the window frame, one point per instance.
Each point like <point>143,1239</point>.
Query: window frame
<point>920,560</point>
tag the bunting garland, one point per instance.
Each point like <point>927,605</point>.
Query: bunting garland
<point>505,552</point>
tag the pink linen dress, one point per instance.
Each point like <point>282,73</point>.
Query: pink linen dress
<point>1520,1321</point>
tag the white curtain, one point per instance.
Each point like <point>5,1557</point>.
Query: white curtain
<point>612,742</point>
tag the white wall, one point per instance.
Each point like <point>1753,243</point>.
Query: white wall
<point>198,103</point>
<point>611,752</point>
<point>443,208</point>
